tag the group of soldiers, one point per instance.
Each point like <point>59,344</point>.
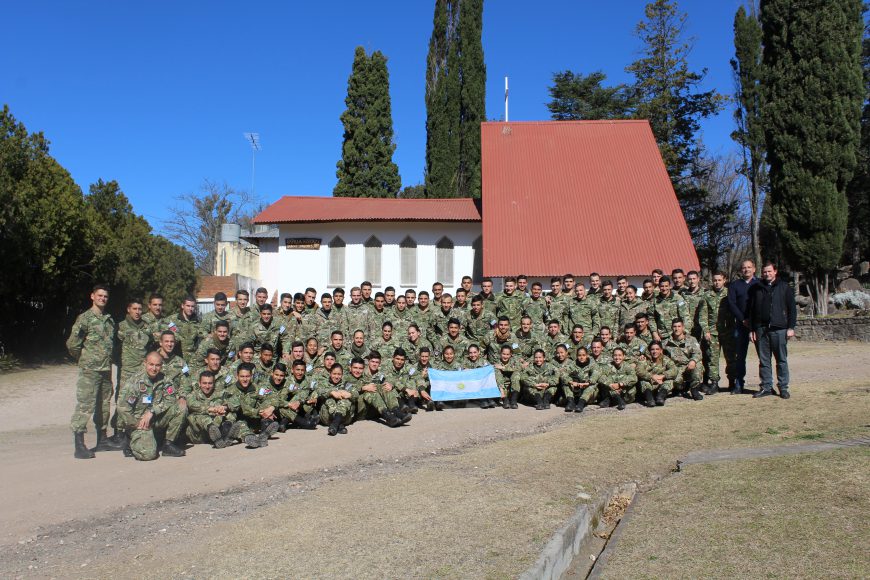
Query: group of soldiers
<point>245,371</point>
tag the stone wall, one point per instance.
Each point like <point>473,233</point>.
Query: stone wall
<point>828,329</point>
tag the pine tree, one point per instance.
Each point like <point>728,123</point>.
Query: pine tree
<point>576,96</point>
<point>455,105</point>
<point>749,134</point>
<point>858,192</point>
<point>812,99</point>
<point>668,95</point>
<point>366,168</point>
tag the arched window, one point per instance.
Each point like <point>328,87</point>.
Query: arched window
<point>408,266</point>
<point>477,267</point>
<point>373,260</point>
<point>336,262</point>
<point>444,261</point>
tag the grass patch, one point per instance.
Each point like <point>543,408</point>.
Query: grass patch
<point>792,516</point>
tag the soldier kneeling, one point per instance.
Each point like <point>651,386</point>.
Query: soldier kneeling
<point>146,408</point>
<point>207,414</point>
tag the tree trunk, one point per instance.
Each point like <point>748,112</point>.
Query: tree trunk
<point>754,220</point>
<point>820,290</point>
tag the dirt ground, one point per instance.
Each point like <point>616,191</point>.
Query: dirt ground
<point>463,493</point>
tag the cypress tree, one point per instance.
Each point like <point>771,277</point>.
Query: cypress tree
<point>366,168</point>
<point>812,99</point>
<point>455,86</point>
<point>858,192</point>
<point>749,134</point>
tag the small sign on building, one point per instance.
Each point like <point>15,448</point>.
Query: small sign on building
<point>302,243</point>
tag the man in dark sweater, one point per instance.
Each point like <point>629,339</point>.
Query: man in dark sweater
<point>738,298</point>
<point>772,318</point>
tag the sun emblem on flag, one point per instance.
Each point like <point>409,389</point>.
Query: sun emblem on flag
<point>461,386</point>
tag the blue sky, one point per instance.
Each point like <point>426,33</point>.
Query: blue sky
<point>157,94</point>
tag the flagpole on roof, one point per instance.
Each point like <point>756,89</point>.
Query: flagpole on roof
<point>505,99</point>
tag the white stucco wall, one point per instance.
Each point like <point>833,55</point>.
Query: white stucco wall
<point>293,270</point>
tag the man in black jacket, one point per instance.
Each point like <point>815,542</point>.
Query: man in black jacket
<point>738,298</point>
<point>772,318</point>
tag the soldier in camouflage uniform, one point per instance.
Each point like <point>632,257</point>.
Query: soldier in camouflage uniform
<point>631,306</point>
<point>508,371</point>
<point>218,340</point>
<point>175,368</point>
<point>154,318</point>
<point>338,401</point>
<point>642,326</point>
<point>635,348</point>
<point>274,396</point>
<point>581,389</point>
<point>656,375</point>
<point>511,303</point>
<point>422,313</point>
<point>668,306</point>
<point>134,341</point>
<point>378,315</point>
<point>400,316</point>
<point>696,307</point>
<point>91,343</point>
<point>240,317</point>
<point>419,374</point>
<point>608,308</point>
<point>387,342</point>
<point>561,364</point>
<point>442,315</point>
<point>187,328</point>
<point>413,343</point>
<point>539,381</point>
<point>447,361</point>
<point>583,310</point>
<point>537,309</point>
<point>244,402</point>
<point>599,357</point>
<point>606,335</point>
<point>402,379</point>
<point>558,305</point>
<point>207,410</point>
<point>294,403</point>
<point>324,321</point>
<point>337,347</point>
<point>497,338</point>
<point>576,340</point>
<point>685,351</point>
<point>356,315</point>
<point>223,377</point>
<point>488,298</point>
<point>554,337</point>
<point>295,323</point>
<point>266,330</point>
<point>145,405</point>
<point>528,341</point>
<point>453,338</point>
<point>720,330</point>
<point>220,313</point>
<point>358,347</point>
<point>478,324</point>
<point>619,379</point>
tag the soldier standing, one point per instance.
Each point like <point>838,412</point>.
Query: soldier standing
<point>91,343</point>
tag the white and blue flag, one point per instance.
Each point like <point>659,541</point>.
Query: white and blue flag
<point>464,385</point>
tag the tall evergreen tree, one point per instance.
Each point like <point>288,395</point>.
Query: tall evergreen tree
<point>749,134</point>
<point>668,95</point>
<point>576,96</point>
<point>366,168</point>
<point>858,192</point>
<point>455,104</point>
<point>813,94</point>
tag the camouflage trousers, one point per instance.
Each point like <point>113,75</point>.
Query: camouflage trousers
<point>93,399</point>
<point>143,442</point>
<point>330,407</point>
<point>507,385</point>
<point>592,394</point>
<point>689,378</point>
<point>725,342</point>
<point>666,385</point>
<point>372,405</point>
<point>628,392</point>
<point>197,426</point>
<point>290,414</point>
<point>531,392</point>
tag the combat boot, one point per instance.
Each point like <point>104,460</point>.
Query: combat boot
<point>170,449</point>
<point>225,428</point>
<point>539,403</point>
<point>569,406</point>
<point>403,417</point>
<point>252,441</point>
<point>82,452</point>
<point>283,424</point>
<point>738,388</point>
<point>124,440</point>
<point>648,399</point>
<point>390,419</point>
<point>505,403</point>
<point>335,425</point>
<point>604,403</point>
<point>233,433</point>
<point>412,405</point>
<point>303,422</point>
<point>267,429</point>
<point>106,443</point>
<point>714,388</point>
<point>439,405</point>
<point>579,406</point>
<point>214,433</point>
<point>430,406</point>
<point>696,394</point>
<point>547,400</point>
<point>515,395</point>
<point>620,403</point>
<point>660,397</point>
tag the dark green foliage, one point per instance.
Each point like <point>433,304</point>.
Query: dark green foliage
<point>413,191</point>
<point>576,96</point>
<point>858,191</point>
<point>56,243</point>
<point>455,103</point>
<point>668,94</point>
<point>813,93</point>
<point>749,134</point>
<point>366,168</point>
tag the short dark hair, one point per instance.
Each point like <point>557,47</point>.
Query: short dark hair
<point>245,366</point>
<point>220,297</point>
<point>243,292</point>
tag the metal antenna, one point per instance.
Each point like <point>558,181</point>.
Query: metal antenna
<point>505,99</point>
<point>254,140</point>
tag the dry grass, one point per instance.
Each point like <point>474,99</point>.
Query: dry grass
<point>487,512</point>
<point>798,516</point>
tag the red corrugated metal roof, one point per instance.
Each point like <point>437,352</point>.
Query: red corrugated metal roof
<point>294,209</point>
<point>579,197</point>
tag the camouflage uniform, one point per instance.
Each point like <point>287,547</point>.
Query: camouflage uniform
<point>460,344</point>
<point>400,319</point>
<point>720,325</point>
<point>155,325</point>
<point>681,352</point>
<point>549,343</point>
<point>508,376</point>
<point>511,305</point>
<point>412,349</point>
<point>585,313</point>
<point>493,342</point>
<point>665,310</point>
<point>608,315</point>
<point>423,319</point>
<point>628,310</point>
<point>140,394</point>
<point>538,311</point>
<point>208,342</point>
<point>489,305</point>
<point>527,344</point>
<point>477,327</point>
<point>578,373</point>
<point>634,350</point>
<point>293,391</point>
<point>321,325</point>
<point>355,317</point>
<point>647,368</point>
<point>696,313</point>
<point>198,417</point>
<point>175,370</point>
<point>376,322</point>
<point>559,308</point>
<point>188,333</point>
<point>210,318</point>
<point>438,321</point>
<point>260,334</point>
<point>534,374</point>
<point>329,406</point>
<point>386,348</point>
<point>91,343</point>
<point>134,339</point>
<point>623,374</point>
<point>371,405</point>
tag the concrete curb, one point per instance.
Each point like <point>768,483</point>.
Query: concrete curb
<point>557,555</point>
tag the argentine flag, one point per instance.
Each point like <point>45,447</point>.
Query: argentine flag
<point>464,385</point>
